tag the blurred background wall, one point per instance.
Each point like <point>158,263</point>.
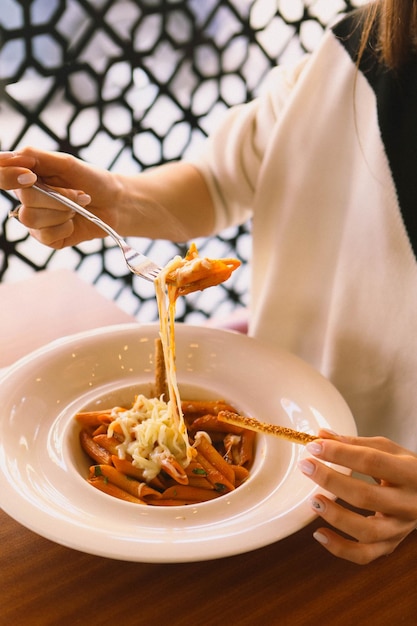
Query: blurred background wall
<point>129,84</point>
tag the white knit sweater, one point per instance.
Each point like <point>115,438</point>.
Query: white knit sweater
<point>334,276</point>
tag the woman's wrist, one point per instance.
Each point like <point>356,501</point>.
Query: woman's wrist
<point>169,202</point>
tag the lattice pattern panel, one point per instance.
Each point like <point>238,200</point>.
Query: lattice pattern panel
<point>129,84</point>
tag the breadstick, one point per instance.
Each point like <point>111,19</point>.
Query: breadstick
<point>160,372</point>
<point>261,427</point>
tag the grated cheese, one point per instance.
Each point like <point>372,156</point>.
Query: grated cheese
<point>150,435</point>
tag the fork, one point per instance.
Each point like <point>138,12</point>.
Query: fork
<point>137,262</point>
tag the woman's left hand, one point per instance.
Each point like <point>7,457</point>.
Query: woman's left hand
<point>392,496</point>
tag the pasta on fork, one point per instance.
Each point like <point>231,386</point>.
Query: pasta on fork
<point>195,273</point>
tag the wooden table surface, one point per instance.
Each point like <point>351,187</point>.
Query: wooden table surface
<point>294,581</point>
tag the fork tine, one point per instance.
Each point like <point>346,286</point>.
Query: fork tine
<point>140,264</point>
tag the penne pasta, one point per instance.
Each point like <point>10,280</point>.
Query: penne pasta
<point>194,273</point>
<point>213,424</point>
<point>126,467</point>
<point>217,479</point>
<point>104,485</point>
<point>246,447</point>
<point>218,466</point>
<point>171,467</point>
<point>205,448</point>
<point>188,493</point>
<point>136,488</point>
<point>93,449</point>
<point>241,474</point>
<point>195,408</point>
<point>96,418</point>
<point>200,481</point>
<point>111,444</point>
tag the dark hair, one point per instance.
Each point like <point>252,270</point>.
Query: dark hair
<point>395,25</point>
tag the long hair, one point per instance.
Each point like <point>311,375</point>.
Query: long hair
<point>395,25</point>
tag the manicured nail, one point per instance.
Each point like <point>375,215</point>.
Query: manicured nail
<point>320,537</point>
<point>318,505</point>
<point>307,467</point>
<point>329,432</point>
<point>83,199</point>
<point>27,179</point>
<point>6,154</point>
<point>314,448</point>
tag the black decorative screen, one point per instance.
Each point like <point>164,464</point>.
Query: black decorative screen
<point>129,84</point>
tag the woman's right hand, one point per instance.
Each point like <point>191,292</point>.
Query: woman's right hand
<point>47,220</point>
<point>171,201</point>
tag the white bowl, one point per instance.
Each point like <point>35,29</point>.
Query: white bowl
<point>42,472</point>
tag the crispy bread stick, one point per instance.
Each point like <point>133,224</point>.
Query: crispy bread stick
<point>261,427</point>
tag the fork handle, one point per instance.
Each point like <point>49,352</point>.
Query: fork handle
<point>47,191</point>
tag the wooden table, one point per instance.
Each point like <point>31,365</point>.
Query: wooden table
<point>294,581</point>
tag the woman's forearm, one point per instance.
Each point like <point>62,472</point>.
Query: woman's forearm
<point>169,202</point>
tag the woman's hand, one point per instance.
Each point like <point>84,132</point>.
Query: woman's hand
<point>56,225</point>
<point>392,496</point>
<point>171,201</point>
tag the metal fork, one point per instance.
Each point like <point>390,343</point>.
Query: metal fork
<point>137,262</point>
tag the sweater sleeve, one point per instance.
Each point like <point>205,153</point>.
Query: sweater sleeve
<point>232,157</point>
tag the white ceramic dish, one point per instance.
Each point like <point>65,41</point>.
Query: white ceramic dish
<point>42,472</point>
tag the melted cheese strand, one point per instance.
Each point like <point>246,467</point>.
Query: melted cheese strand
<point>166,292</point>
<point>154,430</point>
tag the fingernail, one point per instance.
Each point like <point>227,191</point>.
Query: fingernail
<point>27,179</point>
<point>318,505</point>
<point>320,537</point>
<point>314,448</point>
<point>83,199</point>
<point>329,432</point>
<point>6,154</point>
<point>307,467</point>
